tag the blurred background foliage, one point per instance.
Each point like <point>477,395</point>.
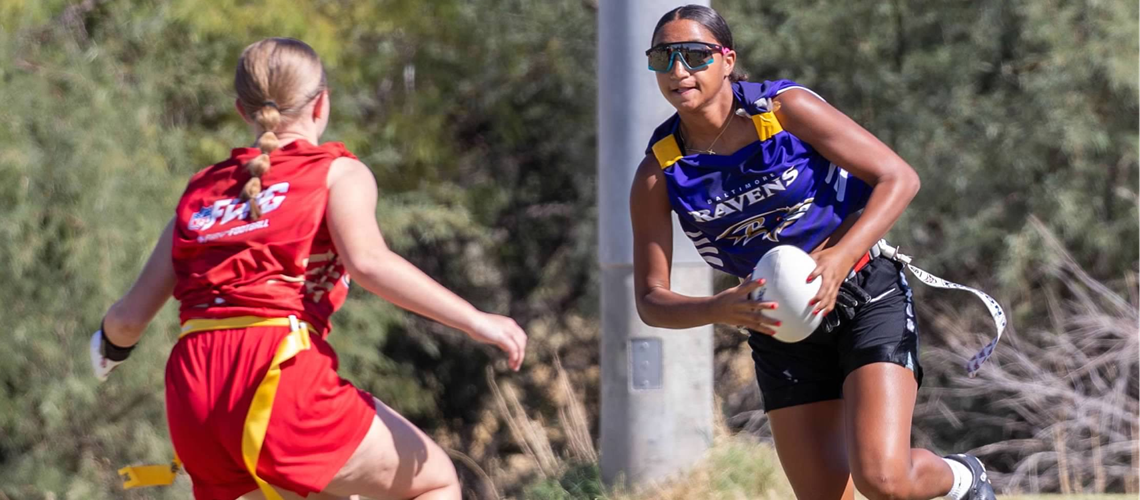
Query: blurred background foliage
<point>478,118</point>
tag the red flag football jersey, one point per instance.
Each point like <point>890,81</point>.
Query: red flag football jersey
<point>281,264</point>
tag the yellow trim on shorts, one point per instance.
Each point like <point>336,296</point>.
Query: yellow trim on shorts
<point>257,419</point>
<point>260,409</point>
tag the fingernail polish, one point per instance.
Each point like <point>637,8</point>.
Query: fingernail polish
<point>778,323</point>
<point>775,306</point>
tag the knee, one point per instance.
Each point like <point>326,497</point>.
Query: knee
<point>448,478</point>
<point>447,488</point>
<point>441,476</point>
<point>882,484</point>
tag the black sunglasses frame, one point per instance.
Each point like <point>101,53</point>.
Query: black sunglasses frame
<point>672,50</point>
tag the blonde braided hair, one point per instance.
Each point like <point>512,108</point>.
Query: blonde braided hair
<point>276,78</point>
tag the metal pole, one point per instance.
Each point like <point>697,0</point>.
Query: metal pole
<point>657,398</point>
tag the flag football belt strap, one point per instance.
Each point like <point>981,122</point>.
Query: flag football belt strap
<point>863,261</point>
<point>883,249</point>
<point>256,419</point>
<point>138,476</point>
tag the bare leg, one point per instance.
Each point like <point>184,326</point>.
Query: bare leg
<point>878,404</point>
<point>810,443</point>
<point>397,461</point>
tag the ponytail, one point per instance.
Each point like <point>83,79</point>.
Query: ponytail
<point>268,117</point>
<point>275,79</point>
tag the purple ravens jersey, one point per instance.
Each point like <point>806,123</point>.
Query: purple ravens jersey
<point>775,191</point>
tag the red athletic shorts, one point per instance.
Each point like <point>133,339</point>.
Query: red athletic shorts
<point>316,421</point>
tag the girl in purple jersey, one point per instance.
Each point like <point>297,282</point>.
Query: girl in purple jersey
<point>840,402</point>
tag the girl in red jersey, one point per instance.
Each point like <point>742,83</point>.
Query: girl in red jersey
<point>258,254</point>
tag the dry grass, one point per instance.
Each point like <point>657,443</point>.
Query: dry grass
<point>736,468</point>
<point>1061,402</point>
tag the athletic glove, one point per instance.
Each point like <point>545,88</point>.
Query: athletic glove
<point>850,297</point>
<point>105,356</point>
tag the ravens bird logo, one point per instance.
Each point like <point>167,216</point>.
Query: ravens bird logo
<point>757,226</point>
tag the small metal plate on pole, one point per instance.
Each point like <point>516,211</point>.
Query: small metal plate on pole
<point>645,358</point>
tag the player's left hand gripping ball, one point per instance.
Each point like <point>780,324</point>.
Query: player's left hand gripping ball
<point>106,356</point>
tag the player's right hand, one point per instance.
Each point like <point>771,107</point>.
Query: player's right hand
<point>99,362</point>
<point>736,307</point>
<point>504,333</point>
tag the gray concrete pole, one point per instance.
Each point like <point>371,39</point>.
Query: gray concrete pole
<point>657,397</point>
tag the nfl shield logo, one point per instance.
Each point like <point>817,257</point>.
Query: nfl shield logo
<point>201,220</point>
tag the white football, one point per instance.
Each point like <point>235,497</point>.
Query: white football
<point>785,270</point>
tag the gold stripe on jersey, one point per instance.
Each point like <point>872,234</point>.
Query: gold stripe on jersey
<point>766,125</point>
<point>667,151</point>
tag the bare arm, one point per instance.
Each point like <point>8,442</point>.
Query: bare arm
<point>352,221</point>
<point>127,319</point>
<point>657,304</point>
<point>652,222</point>
<point>839,139</point>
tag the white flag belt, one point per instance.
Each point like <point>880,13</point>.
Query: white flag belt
<point>886,250</point>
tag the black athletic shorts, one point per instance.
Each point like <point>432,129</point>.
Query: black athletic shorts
<point>813,370</point>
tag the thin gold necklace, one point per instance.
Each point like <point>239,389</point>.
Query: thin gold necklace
<point>709,151</point>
